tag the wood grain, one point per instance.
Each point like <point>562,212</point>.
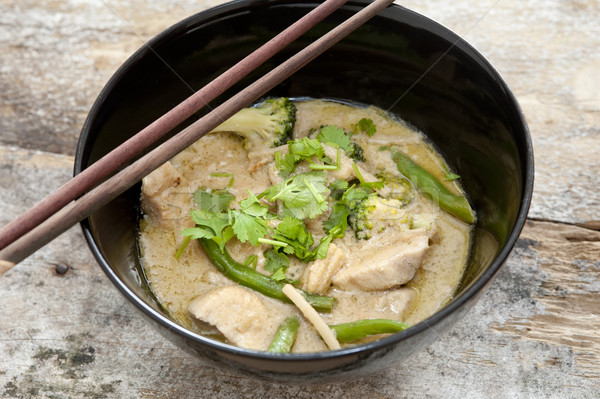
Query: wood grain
<point>567,298</point>
<point>65,332</point>
<point>103,168</point>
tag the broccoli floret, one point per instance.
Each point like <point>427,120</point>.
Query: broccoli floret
<point>359,216</point>
<point>355,152</point>
<point>270,122</point>
<point>375,213</point>
<point>396,187</point>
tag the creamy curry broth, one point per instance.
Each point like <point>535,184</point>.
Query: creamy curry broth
<point>212,161</point>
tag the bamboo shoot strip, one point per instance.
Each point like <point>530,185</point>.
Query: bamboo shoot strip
<point>112,161</point>
<point>312,316</point>
<point>82,207</point>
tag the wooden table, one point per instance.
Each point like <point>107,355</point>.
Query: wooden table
<point>66,331</point>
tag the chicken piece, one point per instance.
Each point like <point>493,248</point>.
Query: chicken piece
<point>346,171</point>
<point>237,313</point>
<point>258,159</point>
<point>159,199</point>
<point>429,222</point>
<point>318,275</point>
<point>391,304</point>
<point>396,302</point>
<point>273,172</point>
<point>380,268</point>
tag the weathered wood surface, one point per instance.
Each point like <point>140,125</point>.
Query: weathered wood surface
<point>66,332</point>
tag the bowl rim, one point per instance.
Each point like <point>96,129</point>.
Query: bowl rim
<point>453,306</point>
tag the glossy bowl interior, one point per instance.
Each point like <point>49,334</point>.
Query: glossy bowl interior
<point>399,61</point>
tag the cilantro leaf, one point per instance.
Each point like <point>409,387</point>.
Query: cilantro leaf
<point>226,235</point>
<point>320,252</point>
<point>293,232</point>
<point>278,275</point>
<point>213,200</point>
<point>301,195</point>
<point>211,225</point>
<point>249,223</point>
<point>298,150</point>
<point>212,219</point>
<point>253,207</point>
<point>197,232</point>
<point>212,222</point>
<point>275,260</point>
<point>306,148</point>
<point>286,165</point>
<point>366,125</point>
<point>337,188</point>
<point>248,227</point>
<point>354,194</point>
<point>337,219</point>
<point>335,227</point>
<point>338,184</point>
<point>336,136</point>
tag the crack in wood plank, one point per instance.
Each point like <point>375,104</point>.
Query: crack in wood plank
<point>569,257</point>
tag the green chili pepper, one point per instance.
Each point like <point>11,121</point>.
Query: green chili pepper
<point>429,186</point>
<point>257,281</point>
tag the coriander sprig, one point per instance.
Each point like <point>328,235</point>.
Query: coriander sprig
<point>298,197</point>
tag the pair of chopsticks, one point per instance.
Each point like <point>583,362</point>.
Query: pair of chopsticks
<point>72,202</point>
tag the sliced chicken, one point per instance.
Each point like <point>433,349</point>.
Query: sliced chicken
<point>248,329</point>
<point>158,195</point>
<point>346,171</point>
<point>379,268</point>
<point>274,176</point>
<point>429,222</point>
<point>396,301</point>
<point>390,304</point>
<point>318,275</point>
<point>258,159</point>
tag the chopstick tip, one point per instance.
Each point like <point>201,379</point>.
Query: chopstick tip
<point>5,266</point>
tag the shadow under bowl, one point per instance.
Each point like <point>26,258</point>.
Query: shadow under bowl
<point>399,61</point>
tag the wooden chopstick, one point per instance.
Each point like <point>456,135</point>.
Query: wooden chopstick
<point>112,161</point>
<point>82,207</point>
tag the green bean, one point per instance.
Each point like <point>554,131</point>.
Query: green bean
<point>285,336</point>
<point>429,186</point>
<point>348,332</point>
<point>252,279</point>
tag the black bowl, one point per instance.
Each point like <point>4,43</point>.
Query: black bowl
<point>399,61</point>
